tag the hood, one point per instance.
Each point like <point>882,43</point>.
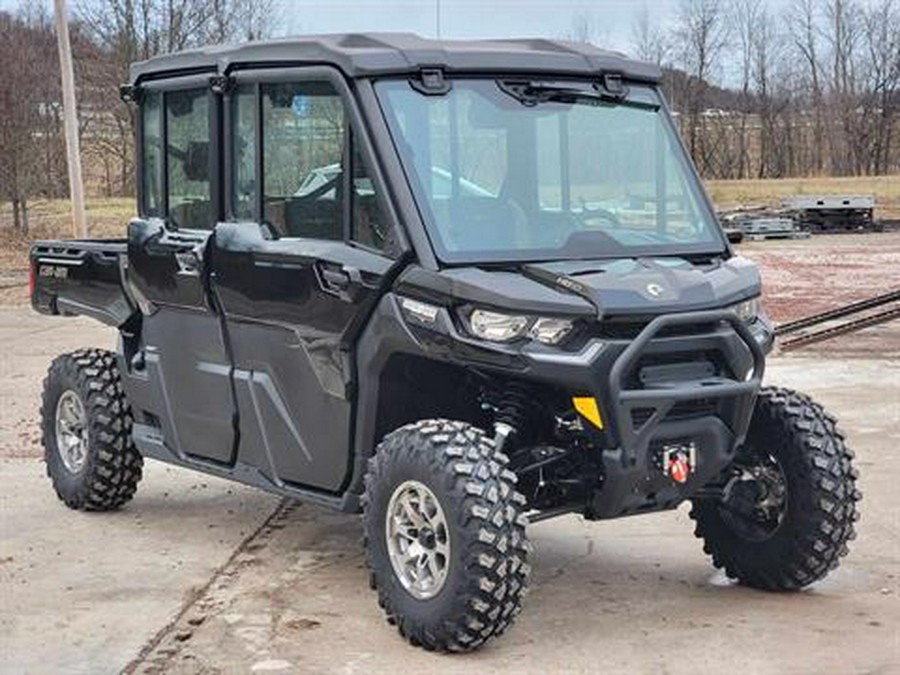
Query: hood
<point>652,285</point>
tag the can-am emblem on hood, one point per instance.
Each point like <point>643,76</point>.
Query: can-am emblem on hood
<point>655,290</point>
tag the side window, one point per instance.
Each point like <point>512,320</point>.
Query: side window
<point>303,149</point>
<point>243,152</point>
<point>151,159</point>
<point>188,158</point>
<point>305,137</point>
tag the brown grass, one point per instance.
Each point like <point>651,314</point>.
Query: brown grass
<point>731,193</point>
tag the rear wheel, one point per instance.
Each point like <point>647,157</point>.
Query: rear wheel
<point>86,425</point>
<point>790,501</point>
<point>445,538</point>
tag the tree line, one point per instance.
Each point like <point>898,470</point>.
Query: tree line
<point>809,88</point>
<point>812,89</point>
<point>107,36</point>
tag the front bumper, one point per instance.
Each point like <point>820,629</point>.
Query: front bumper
<point>711,411</point>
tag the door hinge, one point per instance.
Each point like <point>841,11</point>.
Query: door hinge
<point>221,84</point>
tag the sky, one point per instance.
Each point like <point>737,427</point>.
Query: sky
<point>611,20</point>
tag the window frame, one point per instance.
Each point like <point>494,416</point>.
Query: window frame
<point>162,87</point>
<point>356,139</point>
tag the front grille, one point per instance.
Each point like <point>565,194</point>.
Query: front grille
<point>681,411</point>
<point>628,328</point>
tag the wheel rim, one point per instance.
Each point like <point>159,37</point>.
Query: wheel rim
<point>757,500</point>
<point>418,539</point>
<point>71,431</point>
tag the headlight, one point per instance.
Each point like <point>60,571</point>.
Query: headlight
<point>747,310</point>
<point>550,330</point>
<point>498,327</point>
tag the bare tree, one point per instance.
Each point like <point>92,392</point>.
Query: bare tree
<point>30,128</point>
<point>124,31</point>
<point>745,19</point>
<point>582,28</point>
<point>805,33</point>
<point>881,71</point>
<point>701,34</point>
<point>648,40</point>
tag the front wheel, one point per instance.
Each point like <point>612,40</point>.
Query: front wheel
<point>790,501</point>
<point>444,535</point>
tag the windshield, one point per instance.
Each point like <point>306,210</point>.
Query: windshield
<point>546,171</point>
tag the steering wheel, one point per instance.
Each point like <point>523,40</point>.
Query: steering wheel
<point>592,218</point>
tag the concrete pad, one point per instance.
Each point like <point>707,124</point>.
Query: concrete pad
<point>28,343</point>
<point>83,592</point>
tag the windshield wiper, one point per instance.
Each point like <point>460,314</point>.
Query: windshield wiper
<point>531,94</point>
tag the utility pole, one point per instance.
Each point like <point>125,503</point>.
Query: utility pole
<point>437,18</point>
<point>70,113</point>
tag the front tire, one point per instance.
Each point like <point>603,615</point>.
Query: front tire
<point>444,535</point>
<point>86,432</point>
<point>792,504</point>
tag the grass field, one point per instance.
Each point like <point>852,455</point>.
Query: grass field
<point>730,193</point>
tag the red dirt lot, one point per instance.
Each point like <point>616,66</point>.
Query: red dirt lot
<point>808,276</point>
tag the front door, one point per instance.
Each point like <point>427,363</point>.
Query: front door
<point>292,280</point>
<point>184,356</point>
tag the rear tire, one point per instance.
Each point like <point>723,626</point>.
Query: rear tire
<point>481,551</point>
<point>793,442</point>
<point>86,432</point>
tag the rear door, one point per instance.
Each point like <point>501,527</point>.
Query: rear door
<point>184,359</point>
<point>296,270</point>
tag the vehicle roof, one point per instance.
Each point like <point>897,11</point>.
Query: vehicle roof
<point>374,54</point>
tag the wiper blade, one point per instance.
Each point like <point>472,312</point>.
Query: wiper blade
<point>531,94</point>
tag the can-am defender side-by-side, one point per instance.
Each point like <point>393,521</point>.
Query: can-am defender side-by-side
<point>456,286</point>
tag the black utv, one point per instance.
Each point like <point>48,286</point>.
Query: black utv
<point>455,286</point>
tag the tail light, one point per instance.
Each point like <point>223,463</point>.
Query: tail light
<point>31,274</point>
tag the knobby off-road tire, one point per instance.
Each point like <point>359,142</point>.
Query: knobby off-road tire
<point>104,474</point>
<point>486,570</point>
<point>820,498</point>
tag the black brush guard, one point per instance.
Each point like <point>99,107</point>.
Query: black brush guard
<point>633,483</point>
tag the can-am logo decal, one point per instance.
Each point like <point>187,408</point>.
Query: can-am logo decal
<point>655,290</point>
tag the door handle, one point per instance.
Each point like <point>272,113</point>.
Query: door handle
<point>344,281</point>
<point>188,262</point>
<point>333,279</point>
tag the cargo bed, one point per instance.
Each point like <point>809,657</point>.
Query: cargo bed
<point>81,277</point>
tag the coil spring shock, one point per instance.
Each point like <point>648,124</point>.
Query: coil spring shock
<point>511,418</point>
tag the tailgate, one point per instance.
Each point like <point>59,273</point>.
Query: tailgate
<point>80,277</point>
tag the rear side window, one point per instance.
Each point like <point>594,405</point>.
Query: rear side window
<point>188,158</point>
<point>151,160</point>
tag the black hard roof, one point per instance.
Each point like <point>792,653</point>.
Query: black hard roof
<point>372,54</point>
